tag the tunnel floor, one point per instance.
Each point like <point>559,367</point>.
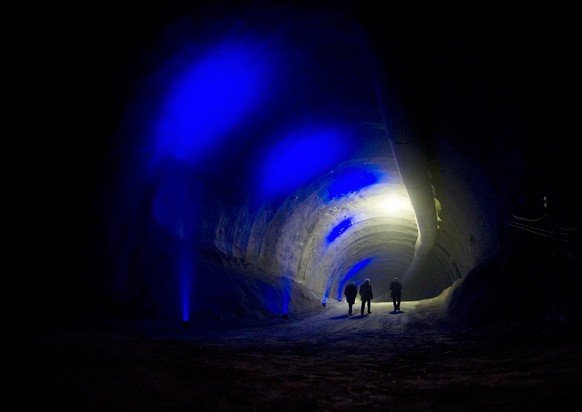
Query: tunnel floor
<point>322,361</point>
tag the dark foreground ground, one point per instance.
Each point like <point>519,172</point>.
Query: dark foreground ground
<point>326,361</point>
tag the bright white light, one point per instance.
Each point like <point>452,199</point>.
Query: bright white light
<point>388,201</point>
<point>393,204</point>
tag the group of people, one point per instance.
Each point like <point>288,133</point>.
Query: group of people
<point>366,295</point>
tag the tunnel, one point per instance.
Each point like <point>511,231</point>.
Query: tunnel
<point>191,186</point>
<point>260,157</point>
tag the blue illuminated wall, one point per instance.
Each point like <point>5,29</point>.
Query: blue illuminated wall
<point>351,180</point>
<point>351,274</point>
<point>246,111</point>
<point>338,230</point>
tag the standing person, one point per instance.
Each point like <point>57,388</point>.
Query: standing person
<point>366,295</point>
<point>396,293</point>
<point>351,291</point>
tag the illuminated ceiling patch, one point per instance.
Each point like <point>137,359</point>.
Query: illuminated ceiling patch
<point>351,180</point>
<point>338,230</point>
<point>300,157</point>
<point>211,97</point>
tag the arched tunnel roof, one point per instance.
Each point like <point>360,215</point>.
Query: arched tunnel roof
<point>280,151</point>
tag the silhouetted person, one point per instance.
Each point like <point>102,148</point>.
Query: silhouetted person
<point>351,292</point>
<point>396,293</point>
<point>366,295</point>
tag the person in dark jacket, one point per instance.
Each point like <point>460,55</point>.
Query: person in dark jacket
<point>351,292</point>
<point>396,293</point>
<point>366,295</point>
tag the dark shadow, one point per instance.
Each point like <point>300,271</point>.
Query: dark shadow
<point>396,312</point>
<point>340,317</point>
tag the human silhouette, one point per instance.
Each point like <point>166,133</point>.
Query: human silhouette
<point>351,290</point>
<point>396,293</point>
<point>366,295</point>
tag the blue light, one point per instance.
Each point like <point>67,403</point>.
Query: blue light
<point>264,94</point>
<point>326,294</point>
<point>351,180</point>
<point>353,271</point>
<point>286,294</point>
<point>211,97</point>
<point>276,298</point>
<point>271,298</point>
<point>299,157</point>
<point>338,230</point>
<point>175,204</point>
<point>185,284</point>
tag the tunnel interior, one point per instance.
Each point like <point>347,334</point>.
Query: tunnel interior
<point>267,155</point>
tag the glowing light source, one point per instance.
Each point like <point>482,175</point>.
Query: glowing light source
<point>325,294</point>
<point>185,275</point>
<point>393,204</point>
